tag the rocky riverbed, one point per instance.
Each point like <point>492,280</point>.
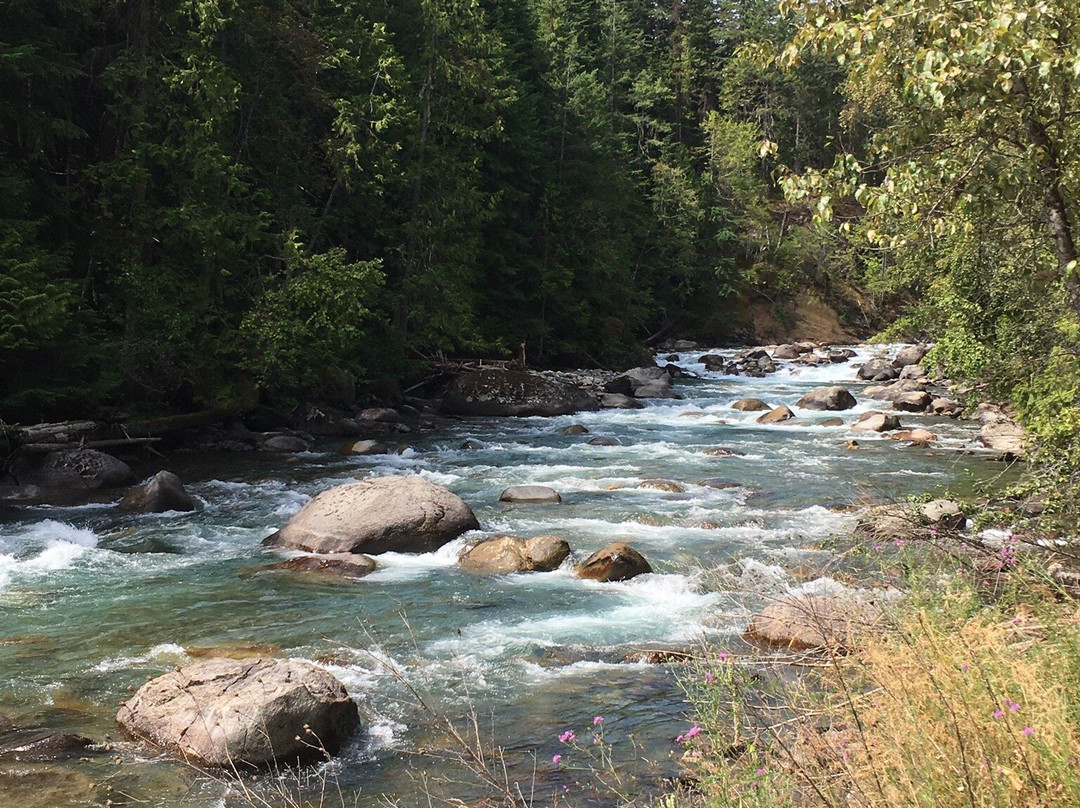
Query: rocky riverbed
<point>613,520</point>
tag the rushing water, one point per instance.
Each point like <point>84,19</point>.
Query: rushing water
<point>93,602</point>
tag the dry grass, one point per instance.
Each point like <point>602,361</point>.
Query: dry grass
<point>960,704</point>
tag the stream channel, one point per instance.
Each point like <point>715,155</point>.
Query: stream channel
<point>93,602</point>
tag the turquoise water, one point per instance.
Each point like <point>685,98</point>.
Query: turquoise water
<point>93,602</point>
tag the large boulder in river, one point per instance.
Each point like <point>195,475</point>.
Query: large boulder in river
<point>513,392</point>
<point>164,492</point>
<point>86,469</point>
<point>253,712</point>
<point>405,514</point>
<point>503,555</point>
<point>616,562</point>
<point>827,398</point>
<point>785,351</point>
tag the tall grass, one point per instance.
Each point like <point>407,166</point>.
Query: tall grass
<point>960,704</point>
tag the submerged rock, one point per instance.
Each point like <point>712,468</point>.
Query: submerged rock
<point>616,562</point>
<point>656,484</point>
<point>164,492</point>
<point>503,555</point>
<point>345,566</point>
<point>227,712</point>
<point>23,744</point>
<point>364,447</point>
<point>405,514</point>
<point>530,493</point>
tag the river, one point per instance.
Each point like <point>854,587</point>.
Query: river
<point>93,602</point>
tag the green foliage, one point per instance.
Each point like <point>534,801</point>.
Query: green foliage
<point>570,175</point>
<point>310,325</point>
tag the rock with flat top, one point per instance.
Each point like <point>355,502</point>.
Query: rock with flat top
<point>530,494</point>
<point>345,566</point>
<point>800,622</point>
<point>405,514</point>
<point>254,712</point>
<point>1004,437</point>
<point>943,513</point>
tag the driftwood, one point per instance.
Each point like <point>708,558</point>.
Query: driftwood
<point>59,433</point>
<point>46,448</point>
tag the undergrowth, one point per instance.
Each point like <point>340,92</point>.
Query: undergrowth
<point>970,698</point>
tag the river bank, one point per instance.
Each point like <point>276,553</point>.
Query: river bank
<point>97,600</point>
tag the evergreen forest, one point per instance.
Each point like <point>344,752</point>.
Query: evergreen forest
<point>207,201</point>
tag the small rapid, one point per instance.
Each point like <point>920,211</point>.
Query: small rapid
<point>92,602</point>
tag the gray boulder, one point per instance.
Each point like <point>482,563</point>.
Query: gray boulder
<point>876,367</point>
<point>87,469</point>
<point>503,555</point>
<point>616,562</point>
<point>285,444</point>
<point>827,398</point>
<point>164,492</point>
<point>405,514</point>
<point>513,393</point>
<point>910,355</point>
<point>530,493</point>
<point>786,351</point>
<point>254,712</point>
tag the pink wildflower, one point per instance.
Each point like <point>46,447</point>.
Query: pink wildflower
<point>597,720</point>
<point>556,758</point>
<point>568,737</point>
<point>1028,730</point>
<point>709,678</point>
<point>999,713</point>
